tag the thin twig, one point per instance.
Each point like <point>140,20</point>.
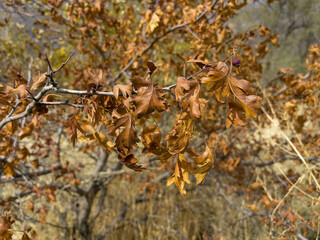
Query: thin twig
<point>14,108</point>
<point>63,64</point>
<point>29,72</point>
<point>63,103</point>
<point>28,109</point>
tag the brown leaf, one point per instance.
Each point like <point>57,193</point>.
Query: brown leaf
<point>4,98</point>
<point>192,102</point>
<point>21,90</point>
<point>181,175</point>
<point>256,185</point>
<point>38,81</point>
<point>253,207</point>
<point>8,169</point>
<point>151,138</point>
<point>190,96</point>
<point>97,77</point>
<point>217,80</point>
<point>203,163</point>
<point>125,90</point>
<point>181,83</point>
<point>151,68</point>
<point>201,64</point>
<point>26,131</point>
<point>289,214</point>
<point>148,100</point>
<point>139,82</point>
<point>30,205</point>
<point>244,93</point>
<point>98,135</point>
<point>5,225</point>
<point>127,138</point>
<point>131,162</point>
<point>50,97</point>
<point>25,237</point>
<point>17,77</point>
<point>178,138</point>
<point>73,126</point>
<point>240,98</point>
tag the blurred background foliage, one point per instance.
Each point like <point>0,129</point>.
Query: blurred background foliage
<point>297,25</point>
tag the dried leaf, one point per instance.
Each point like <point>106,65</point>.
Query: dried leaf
<point>154,22</point>
<point>131,162</point>
<point>151,138</point>
<point>25,237</point>
<point>127,138</point>
<point>99,136</point>
<point>5,225</point>
<point>178,138</point>
<point>240,98</point>
<point>125,90</point>
<point>201,64</point>
<point>203,163</point>
<point>73,126</point>
<point>181,83</point>
<point>8,169</point>
<point>149,100</point>
<point>181,175</point>
<point>289,214</point>
<point>38,81</point>
<point>151,68</point>
<point>139,82</point>
<point>189,98</point>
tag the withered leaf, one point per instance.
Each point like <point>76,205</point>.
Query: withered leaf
<point>4,98</point>
<point>73,126</point>
<point>139,82</point>
<point>27,130</point>
<point>181,83</point>
<point>97,135</point>
<point>203,163</point>
<point>38,81</point>
<point>8,169</point>
<point>149,100</point>
<point>21,90</point>
<point>217,79</point>
<point>201,64</point>
<point>244,93</point>
<point>151,138</point>
<point>181,175</point>
<point>127,139</point>
<point>151,67</point>
<point>131,162</point>
<point>50,97</point>
<point>290,215</point>
<point>189,98</point>
<point>240,98</point>
<point>5,225</point>
<point>17,77</point>
<point>178,138</point>
<point>25,237</point>
<point>125,90</point>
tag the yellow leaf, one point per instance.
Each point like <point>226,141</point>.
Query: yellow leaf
<point>256,185</point>
<point>180,176</point>
<point>154,22</point>
<point>101,138</point>
<point>204,163</point>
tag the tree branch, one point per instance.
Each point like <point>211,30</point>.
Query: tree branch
<point>157,38</point>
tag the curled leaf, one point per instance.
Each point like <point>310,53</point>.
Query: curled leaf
<point>38,81</point>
